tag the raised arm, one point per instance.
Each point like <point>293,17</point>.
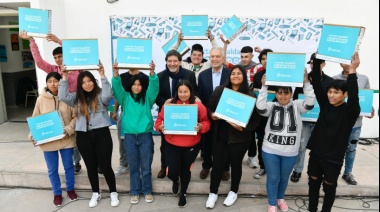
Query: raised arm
<point>63,89</point>
<point>154,85</point>
<point>117,86</point>
<point>107,94</point>
<point>263,107</point>
<point>309,101</point>
<point>353,107</point>
<point>316,82</point>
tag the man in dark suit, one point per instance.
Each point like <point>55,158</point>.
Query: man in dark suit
<point>208,80</point>
<point>169,79</point>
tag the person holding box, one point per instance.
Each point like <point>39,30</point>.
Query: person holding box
<point>137,122</point>
<point>282,137</point>
<point>182,150</point>
<point>93,136</point>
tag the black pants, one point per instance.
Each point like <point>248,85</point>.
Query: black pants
<point>223,152</point>
<point>162,150</point>
<point>206,154</point>
<point>260,132</point>
<point>252,146</point>
<point>327,174</point>
<point>95,146</point>
<point>180,161</point>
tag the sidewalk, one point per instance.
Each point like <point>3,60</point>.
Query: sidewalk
<point>22,165</point>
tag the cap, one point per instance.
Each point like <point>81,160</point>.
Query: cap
<point>312,57</point>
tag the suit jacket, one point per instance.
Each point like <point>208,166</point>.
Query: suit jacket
<point>165,93</point>
<point>205,86</point>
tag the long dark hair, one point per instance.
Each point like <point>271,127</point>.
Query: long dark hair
<point>187,84</point>
<point>144,84</point>
<point>243,88</point>
<point>85,99</point>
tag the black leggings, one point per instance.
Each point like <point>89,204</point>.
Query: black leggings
<point>95,146</point>
<point>252,146</point>
<point>179,162</point>
<point>222,152</point>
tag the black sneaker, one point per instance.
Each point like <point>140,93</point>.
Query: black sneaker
<point>99,171</point>
<point>175,187</point>
<point>295,177</point>
<point>77,168</point>
<point>350,179</point>
<point>182,201</point>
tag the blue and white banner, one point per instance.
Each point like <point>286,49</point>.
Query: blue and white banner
<point>285,69</point>
<point>36,22</point>
<point>235,107</point>
<point>338,43</point>
<point>300,35</point>
<point>80,54</point>
<point>194,27</point>
<point>134,52</point>
<point>180,119</point>
<point>46,127</point>
<point>313,114</point>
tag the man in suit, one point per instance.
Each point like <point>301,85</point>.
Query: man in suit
<point>208,80</point>
<point>168,81</point>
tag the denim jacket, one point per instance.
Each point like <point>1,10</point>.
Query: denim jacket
<point>99,118</point>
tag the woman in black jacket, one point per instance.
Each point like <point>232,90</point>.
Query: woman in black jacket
<point>229,141</point>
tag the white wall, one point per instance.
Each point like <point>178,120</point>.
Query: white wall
<point>90,19</point>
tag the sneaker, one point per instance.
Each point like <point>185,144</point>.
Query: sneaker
<point>161,173</point>
<point>77,168</point>
<point>182,202</point>
<point>149,198</point>
<point>135,199</point>
<point>252,162</point>
<point>114,199</point>
<point>57,200</point>
<point>121,170</point>
<point>175,187</point>
<point>72,195</point>
<point>259,174</point>
<point>225,175</point>
<point>212,198</point>
<point>350,179</point>
<point>295,177</point>
<point>272,208</point>
<point>94,199</point>
<point>99,171</point>
<point>282,205</point>
<point>231,198</point>
<point>204,174</point>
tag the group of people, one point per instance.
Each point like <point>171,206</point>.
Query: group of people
<point>281,135</point>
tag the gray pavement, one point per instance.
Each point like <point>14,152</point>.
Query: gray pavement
<point>23,166</point>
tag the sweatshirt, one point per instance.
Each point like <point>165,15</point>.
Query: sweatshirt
<point>284,126</point>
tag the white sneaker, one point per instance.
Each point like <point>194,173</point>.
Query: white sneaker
<point>252,162</point>
<point>212,198</point>
<point>231,198</point>
<point>94,199</point>
<point>121,170</point>
<point>114,199</point>
<point>259,174</point>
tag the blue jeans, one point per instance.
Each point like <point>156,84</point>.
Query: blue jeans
<point>351,149</point>
<point>139,149</point>
<point>123,155</point>
<point>307,129</point>
<point>52,163</point>
<point>278,170</point>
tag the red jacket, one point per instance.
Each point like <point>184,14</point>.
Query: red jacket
<point>186,140</point>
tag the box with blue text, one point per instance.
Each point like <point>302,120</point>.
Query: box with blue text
<point>285,69</point>
<point>182,48</point>
<point>180,119</point>
<point>80,54</point>
<point>235,107</point>
<point>46,127</point>
<point>232,28</point>
<point>313,114</point>
<point>339,42</point>
<point>36,22</point>
<point>134,53</point>
<point>194,27</point>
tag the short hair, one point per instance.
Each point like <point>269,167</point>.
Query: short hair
<point>217,48</point>
<point>197,47</point>
<point>246,49</point>
<point>57,50</point>
<point>284,88</point>
<point>55,75</point>
<point>338,85</point>
<point>173,53</point>
<point>264,52</point>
